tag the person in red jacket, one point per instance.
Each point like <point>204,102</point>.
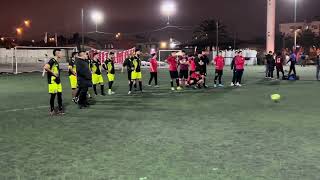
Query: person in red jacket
<point>173,69</point>
<point>192,64</point>
<point>219,63</point>
<point>153,70</point>
<point>239,63</point>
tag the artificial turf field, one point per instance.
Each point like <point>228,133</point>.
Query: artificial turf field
<point>227,134</point>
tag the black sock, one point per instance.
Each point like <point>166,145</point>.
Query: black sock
<point>60,101</point>
<point>53,96</point>
<point>178,82</point>
<point>102,89</point>
<point>110,84</point>
<point>135,84</point>
<point>171,83</point>
<point>130,86</point>
<point>140,85</point>
<point>95,89</point>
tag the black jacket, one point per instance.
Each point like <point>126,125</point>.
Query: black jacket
<point>84,75</point>
<point>271,63</point>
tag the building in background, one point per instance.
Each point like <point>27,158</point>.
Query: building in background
<point>289,28</point>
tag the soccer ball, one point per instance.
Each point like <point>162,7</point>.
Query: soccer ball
<point>276,97</point>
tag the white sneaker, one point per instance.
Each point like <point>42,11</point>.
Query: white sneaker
<point>129,92</point>
<point>239,85</point>
<point>149,85</point>
<point>111,93</point>
<point>172,89</point>
<point>232,84</point>
<point>156,86</point>
<point>220,85</point>
<point>214,85</point>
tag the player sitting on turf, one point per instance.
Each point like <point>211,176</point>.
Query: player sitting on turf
<point>109,67</point>
<point>173,69</point>
<point>202,62</point>
<point>184,69</point>
<point>136,74</point>
<point>54,82</point>
<point>97,78</point>
<point>196,80</point>
<point>73,77</point>
<point>219,65</point>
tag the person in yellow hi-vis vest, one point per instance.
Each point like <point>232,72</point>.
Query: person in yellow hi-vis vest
<point>54,82</point>
<point>97,78</point>
<point>73,76</point>
<point>136,74</point>
<point>109,67</point>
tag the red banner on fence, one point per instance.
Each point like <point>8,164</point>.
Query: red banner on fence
<point>120,56</point>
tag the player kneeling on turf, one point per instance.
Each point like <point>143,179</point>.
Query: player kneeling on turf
<point>196,80</point>
<point>55,87</point>
<point>109,67</point>
<point>96,74</point>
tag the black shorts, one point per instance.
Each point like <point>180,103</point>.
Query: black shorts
<point>184,74</point>
<point>174,75</point>
<point>203,71</point>
<point>219,72</point>
<point>129,75</point>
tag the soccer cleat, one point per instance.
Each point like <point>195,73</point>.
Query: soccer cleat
<point>149,85</point>
<point>172,89</point>
<point>110,92</point>
<point>52,113</point>
<point>232,84</point>
<point>205,86</point>
<point>179,88</point>
<point>129,92</point>
<point>214,85</point>
<point>220,85</point>
<point>156,86</point>
<point>75,100</point>
<point>61,112</point>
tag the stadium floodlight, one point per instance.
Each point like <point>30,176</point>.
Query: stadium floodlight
<point>97,18</point>
<point>163,45</point>
<point>168,8</point>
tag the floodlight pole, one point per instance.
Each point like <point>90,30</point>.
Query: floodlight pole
<point>82,28</point>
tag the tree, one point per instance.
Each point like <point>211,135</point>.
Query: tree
<point>306,39</point>
<point>206,33</point>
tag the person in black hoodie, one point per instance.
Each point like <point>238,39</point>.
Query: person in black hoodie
<point>270,64</point>
<point>84,78</point>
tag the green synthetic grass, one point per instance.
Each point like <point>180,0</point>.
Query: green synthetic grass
<point>230,133</point>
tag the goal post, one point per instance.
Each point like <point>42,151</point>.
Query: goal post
<point>32,59</point>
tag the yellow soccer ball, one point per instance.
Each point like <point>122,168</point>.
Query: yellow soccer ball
<point>275,97</point>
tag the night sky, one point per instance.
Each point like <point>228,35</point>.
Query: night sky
<point>246,17</point>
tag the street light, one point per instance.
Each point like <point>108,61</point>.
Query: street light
<point>97,18</point>
<point>168,9</point>
<point>19,31</point>
<point>27,23</point>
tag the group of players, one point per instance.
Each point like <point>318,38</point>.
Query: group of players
<point>86,72</point>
